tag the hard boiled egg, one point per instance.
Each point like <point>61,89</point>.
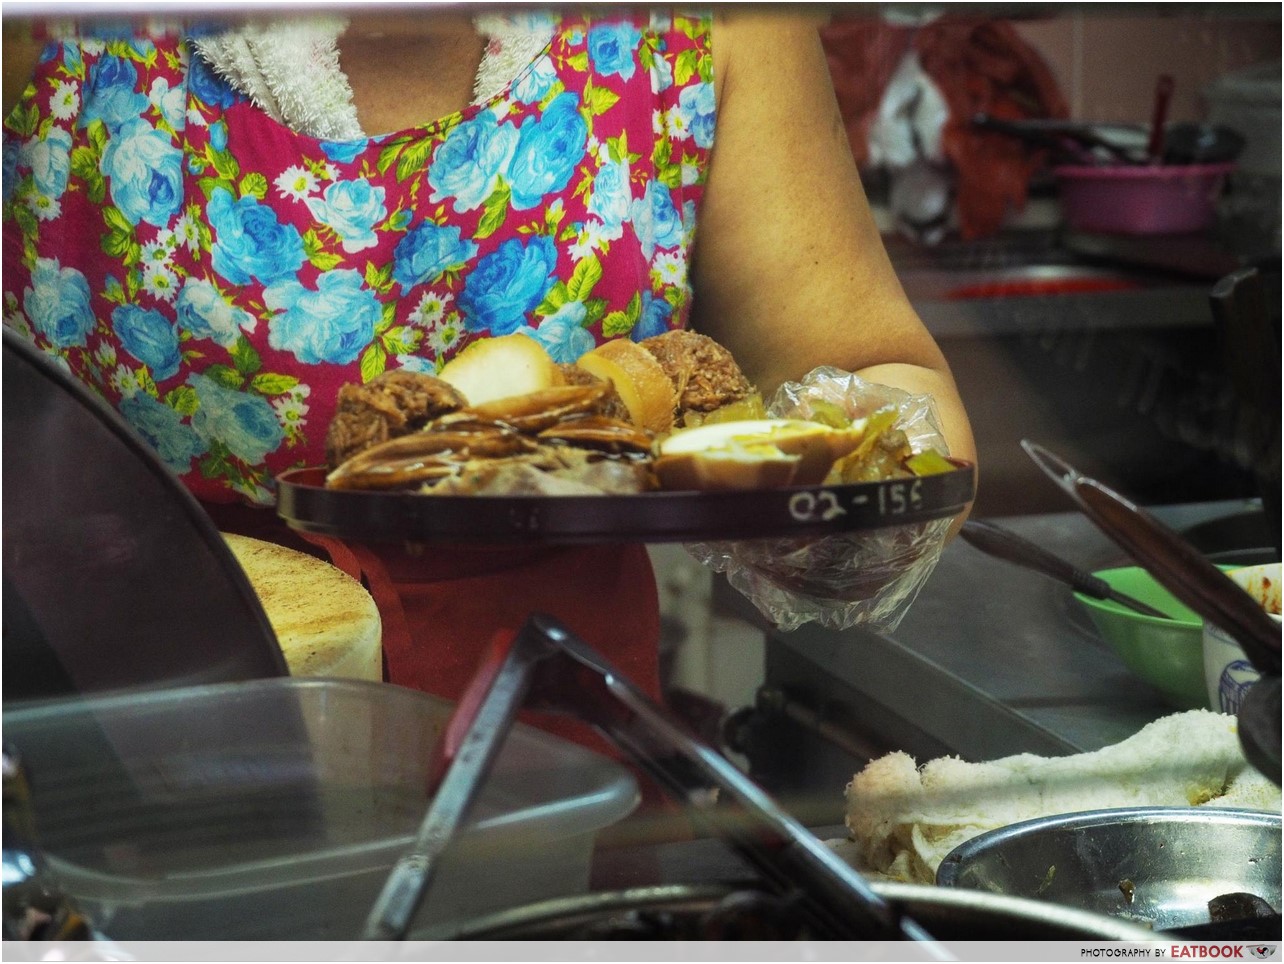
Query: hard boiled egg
<point>753,454</point>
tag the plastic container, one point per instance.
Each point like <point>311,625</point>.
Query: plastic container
<point>274,809</point>
<point>1142,199</point>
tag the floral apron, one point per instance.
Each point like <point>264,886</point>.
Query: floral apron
<point>217,277</point>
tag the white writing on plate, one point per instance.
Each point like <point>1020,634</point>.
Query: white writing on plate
<point>895,498</point>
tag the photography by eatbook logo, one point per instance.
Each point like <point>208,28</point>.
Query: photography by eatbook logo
<point>1188,952</point>
<point>1222,952</point>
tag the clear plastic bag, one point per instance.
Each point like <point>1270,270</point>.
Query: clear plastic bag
<point>866,577</point>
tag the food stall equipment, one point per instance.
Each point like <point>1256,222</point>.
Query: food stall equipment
<point>736,912</point>
<point>811,858</point>
<point>548,667</point>
<point>1002,544</point>
<point>274,896</point>
<point>992,660</point>
<point>1137,863</point>
<point>272,809</point>
<point>113,575</point>
<point>1199,584</point>
<point>521,520</point>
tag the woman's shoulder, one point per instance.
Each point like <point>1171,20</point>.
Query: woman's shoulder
<point>72,58</point>
<point>758,46</point>
<point>764,32</point>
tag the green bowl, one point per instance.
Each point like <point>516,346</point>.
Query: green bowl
<point>1166,653</point>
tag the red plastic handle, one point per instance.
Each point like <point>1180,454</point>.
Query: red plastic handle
<point>465,713</point>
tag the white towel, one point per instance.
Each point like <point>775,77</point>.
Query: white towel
<point>904,819</point>
<point>290,68</point>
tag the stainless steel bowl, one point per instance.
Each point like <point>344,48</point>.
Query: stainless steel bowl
<point>1156,866</point>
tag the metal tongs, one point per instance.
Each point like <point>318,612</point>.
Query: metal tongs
<point>546,667</point>
<point>1184,571</point>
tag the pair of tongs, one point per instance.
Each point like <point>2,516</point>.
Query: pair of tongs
<point>1183,570</point>
<point>546,667</point>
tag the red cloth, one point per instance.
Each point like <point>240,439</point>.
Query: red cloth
<point>980,66</point>
<point>984,66</point>
<point>441,606</point>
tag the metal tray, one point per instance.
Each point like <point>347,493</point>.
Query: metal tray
<point>305,504</point>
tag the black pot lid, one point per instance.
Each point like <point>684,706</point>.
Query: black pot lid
<point>114,576</point>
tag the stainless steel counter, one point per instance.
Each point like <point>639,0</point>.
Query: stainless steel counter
<point>991,660</point>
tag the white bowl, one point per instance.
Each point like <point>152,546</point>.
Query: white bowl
<point>1227,671</point>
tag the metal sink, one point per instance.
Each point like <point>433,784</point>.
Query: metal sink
<point>1110,361</point>
<point>1017,281</point>
<point>1050,254</point>
<point>1012,251</point>
<point>1025,281</point>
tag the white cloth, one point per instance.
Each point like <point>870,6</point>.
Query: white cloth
<point>910,120</point>
<point>290,68</point>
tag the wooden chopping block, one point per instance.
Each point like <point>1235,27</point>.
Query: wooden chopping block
<point>325,621</point>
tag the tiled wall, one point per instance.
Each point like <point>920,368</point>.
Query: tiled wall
<point>1107,63</point>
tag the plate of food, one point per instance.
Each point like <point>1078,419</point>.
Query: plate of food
<point>662,440</point>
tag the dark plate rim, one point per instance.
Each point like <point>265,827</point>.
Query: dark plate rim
<point>677,516</point>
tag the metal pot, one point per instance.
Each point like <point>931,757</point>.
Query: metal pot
<point>715,912</point>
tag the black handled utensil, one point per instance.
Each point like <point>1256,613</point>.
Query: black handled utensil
<point>1002,544</point>
<point>1073,142</point>
<point>1159,118</point>
<point>1200,585</point>
<point>1171,559</point>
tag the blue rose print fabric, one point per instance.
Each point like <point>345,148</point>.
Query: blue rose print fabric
<point>218,277</point>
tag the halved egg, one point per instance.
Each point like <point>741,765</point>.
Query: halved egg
<point>753,454</point>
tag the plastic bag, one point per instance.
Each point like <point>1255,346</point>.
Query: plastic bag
<point>910,119</point>
<point>866,577</point>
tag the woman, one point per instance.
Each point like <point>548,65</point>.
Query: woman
<point>217,232</point>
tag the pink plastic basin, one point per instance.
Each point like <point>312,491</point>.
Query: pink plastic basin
<point>1158,199</point>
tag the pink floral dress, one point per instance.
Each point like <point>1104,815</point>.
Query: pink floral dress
<point>217,276</point>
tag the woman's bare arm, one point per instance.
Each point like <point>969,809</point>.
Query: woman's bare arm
<point>789,268</point>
